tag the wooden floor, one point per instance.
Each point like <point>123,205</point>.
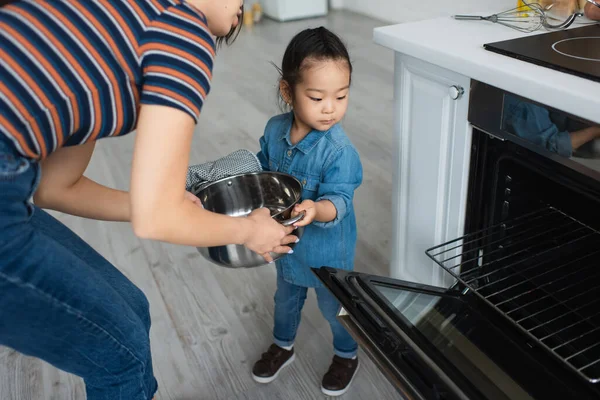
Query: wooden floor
<point>210,324</point>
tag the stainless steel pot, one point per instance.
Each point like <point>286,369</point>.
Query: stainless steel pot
<point>238,196</point>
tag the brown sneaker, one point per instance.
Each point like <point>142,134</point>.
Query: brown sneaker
<point>267,368</point>
<point>340,375</point>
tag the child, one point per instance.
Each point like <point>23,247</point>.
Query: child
<point>310,144</point>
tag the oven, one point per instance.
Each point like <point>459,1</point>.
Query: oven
<point>522,319</point>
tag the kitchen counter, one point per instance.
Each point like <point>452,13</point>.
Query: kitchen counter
<point>458,46</point>
<point>434,63</point>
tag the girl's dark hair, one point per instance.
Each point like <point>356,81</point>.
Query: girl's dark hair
<point>316,44</point>
<point>233,33</point>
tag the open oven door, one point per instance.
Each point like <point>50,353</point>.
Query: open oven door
<point>438,343</point>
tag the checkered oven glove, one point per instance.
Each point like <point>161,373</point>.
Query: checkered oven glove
<point>239,162</point>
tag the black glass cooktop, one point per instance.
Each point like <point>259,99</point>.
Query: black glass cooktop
<point>574,51</point>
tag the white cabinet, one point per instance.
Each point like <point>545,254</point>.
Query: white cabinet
<point>285,10</point>
<point>432,147</point>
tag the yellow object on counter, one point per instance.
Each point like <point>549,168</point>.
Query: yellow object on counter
<point>257,12</point>
<point>248,18</point>
<point>520,3</point>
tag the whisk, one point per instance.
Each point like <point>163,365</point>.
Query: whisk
<point>525,18</point>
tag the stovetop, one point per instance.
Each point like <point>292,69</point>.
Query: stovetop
<point>574,51</point>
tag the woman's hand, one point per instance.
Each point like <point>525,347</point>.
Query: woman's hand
<point>267,235</point>
<point>162,210</point>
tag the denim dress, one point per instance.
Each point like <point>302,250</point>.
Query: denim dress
<point>329,168</point>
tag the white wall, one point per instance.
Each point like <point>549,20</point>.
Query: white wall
<point>336,4</point>
<point>395,11</point>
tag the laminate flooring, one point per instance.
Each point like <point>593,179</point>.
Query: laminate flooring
<point>210,324</point>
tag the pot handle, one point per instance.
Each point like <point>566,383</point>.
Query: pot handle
<point>293,220</point>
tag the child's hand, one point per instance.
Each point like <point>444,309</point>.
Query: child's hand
<point>310,212</point>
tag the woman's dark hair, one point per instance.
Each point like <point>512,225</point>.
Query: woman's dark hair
<point>233,33</point>
<point>318,44</point>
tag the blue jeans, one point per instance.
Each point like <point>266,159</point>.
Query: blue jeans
<point>289,300</point>
<point>61,301</point>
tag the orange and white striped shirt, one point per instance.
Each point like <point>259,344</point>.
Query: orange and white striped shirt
<point>73,71</point>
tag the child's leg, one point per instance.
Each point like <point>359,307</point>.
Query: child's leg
<point>344,365</point>
<point>289,300</point>
<point>343,344</point>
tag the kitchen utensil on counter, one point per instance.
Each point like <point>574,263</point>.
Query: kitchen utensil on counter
<point>528,17</point>
<point>238,196</point>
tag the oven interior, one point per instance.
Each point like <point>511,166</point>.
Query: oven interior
<point>532,252</point>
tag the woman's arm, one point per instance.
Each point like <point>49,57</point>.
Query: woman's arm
<point>64,188</point>
<point>159,208</point>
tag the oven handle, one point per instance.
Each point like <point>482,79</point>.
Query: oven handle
<point>407,340</point>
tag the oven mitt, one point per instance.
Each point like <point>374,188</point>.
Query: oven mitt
<point>239,162</point>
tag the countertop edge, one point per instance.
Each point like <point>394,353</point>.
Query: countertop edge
<point>526,79</point>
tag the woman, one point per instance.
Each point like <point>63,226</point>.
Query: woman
<point>73,72</point>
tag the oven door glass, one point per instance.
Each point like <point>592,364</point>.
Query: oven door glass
<point>552,130</point>
<point>435,343</point>
<point>566,138</point>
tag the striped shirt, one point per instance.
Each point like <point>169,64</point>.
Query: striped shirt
<point>74,71</point>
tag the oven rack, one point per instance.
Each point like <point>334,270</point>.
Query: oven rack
<point>541,271</point>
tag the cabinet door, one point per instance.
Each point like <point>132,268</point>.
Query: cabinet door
<point>432,150</point>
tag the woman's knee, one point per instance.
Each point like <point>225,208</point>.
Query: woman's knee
<point>109,349</point>
<point>124,358</point>
<point>128,368</point>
